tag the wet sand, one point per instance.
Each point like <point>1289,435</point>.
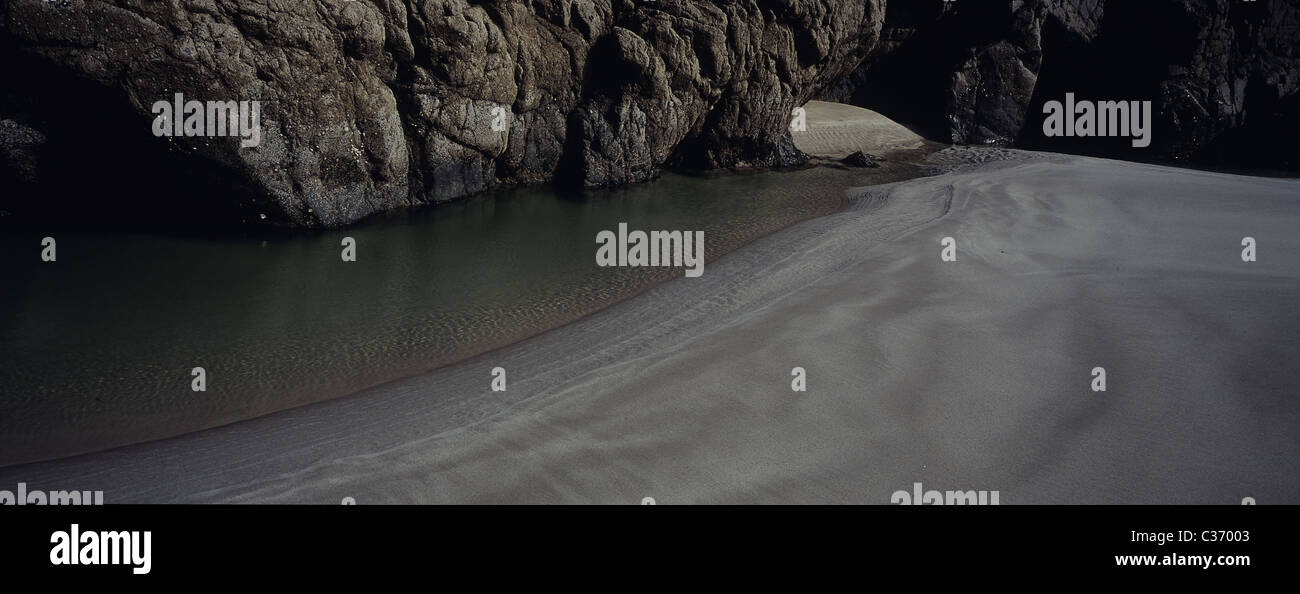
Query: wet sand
<point>969,375</point>
<point>98,349</point>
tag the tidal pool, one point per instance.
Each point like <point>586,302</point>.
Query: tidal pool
<point>97,347</point>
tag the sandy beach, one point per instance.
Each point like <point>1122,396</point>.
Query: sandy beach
<point>836,130</point>
<point>972,374</point>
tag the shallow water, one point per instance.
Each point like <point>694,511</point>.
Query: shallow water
<point>97,347</point>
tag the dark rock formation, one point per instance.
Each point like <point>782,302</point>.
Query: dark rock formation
<point>1222,74</point>
<point>370,105</point>
<point>19,146</point>
<point>860,159</point>
<point>959,71</point>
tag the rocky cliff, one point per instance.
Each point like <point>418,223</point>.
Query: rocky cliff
<point>1223,75</point>
<point>372,105</point>
<point>369,105</point>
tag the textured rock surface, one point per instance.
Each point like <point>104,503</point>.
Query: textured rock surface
<point>369,105</point>
<point>1223,74</point>
<point>860,159</point>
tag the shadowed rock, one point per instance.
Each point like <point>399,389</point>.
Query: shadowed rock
<point>373,105</point>
<point>1222,75</point>
<point>860,159</point>
<point>379,104</point>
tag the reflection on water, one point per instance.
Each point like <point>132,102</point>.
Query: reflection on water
<point>97,347</point>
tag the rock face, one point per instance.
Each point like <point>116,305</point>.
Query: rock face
<point>1222,74</point>
<point>369,105</point>
<point>372,105</point>
<point>961,71</point>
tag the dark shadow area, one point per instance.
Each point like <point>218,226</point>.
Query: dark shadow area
<point>79,155</point>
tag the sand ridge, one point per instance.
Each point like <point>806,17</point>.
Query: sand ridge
<point>836,130</point>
